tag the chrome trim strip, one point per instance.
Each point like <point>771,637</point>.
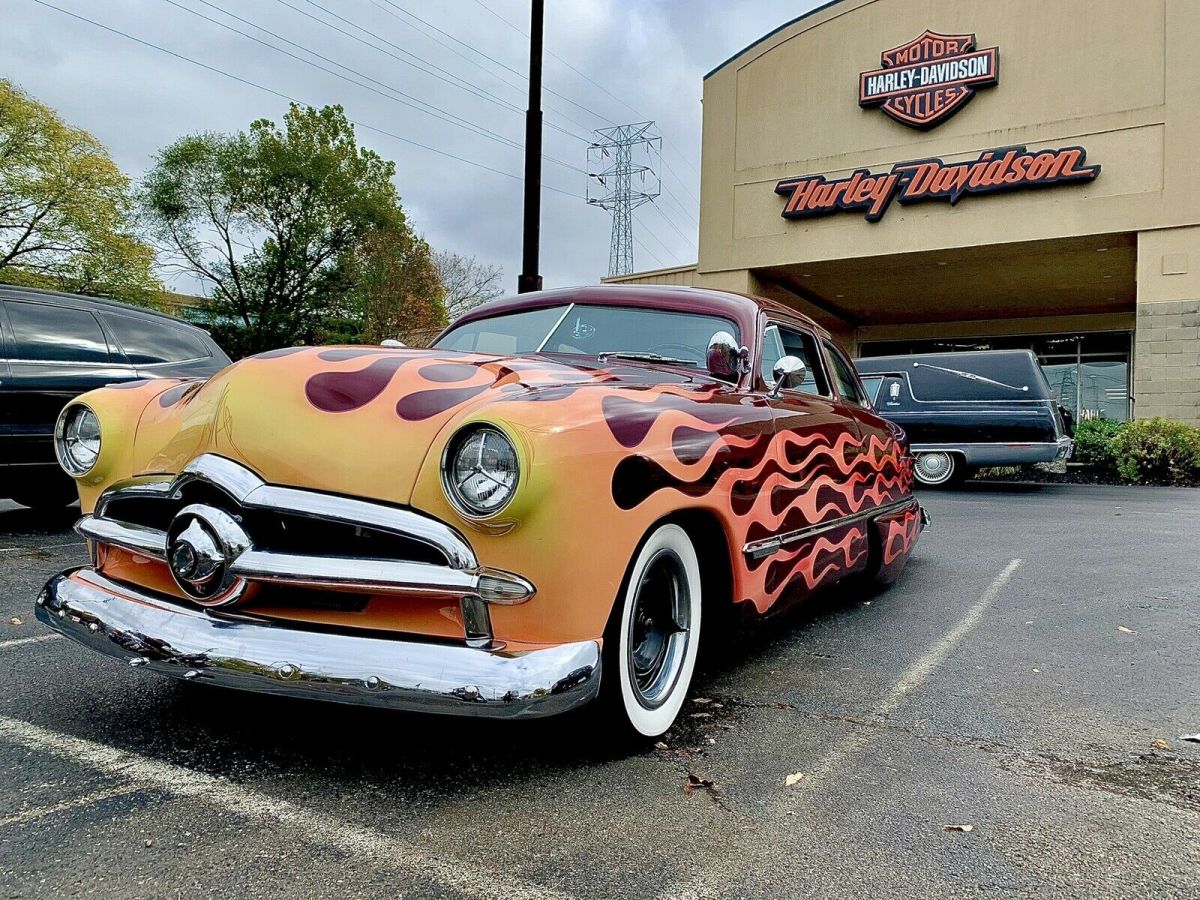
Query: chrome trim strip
<point>250,654</point>
<point>375,576</point>
<point>138,538</point>
<point>768,546</point>
<point>927,448</point>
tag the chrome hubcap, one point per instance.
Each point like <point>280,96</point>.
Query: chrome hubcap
<point>660,629</point>
<point>934,467</point>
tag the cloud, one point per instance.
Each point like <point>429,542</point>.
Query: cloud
<point>651,54</point>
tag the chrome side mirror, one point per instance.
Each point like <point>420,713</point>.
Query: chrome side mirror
<point>725,359</point>
<point>789,374</point>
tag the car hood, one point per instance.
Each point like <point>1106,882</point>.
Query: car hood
<point>355,420</point>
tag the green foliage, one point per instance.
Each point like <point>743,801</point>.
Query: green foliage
<point>275,220</point>
<point>1093,444</point>
<point>65,208</point>
<point>1158,451</point>
<point>397,291</point>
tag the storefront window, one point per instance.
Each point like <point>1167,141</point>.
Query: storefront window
<point>1088,373</point>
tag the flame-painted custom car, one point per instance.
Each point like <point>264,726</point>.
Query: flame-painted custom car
<point>542,509</point>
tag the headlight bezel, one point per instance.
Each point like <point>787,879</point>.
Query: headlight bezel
<point>71,414</point>
<point>461,504</point>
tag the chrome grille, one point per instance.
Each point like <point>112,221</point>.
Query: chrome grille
<point>293,537</point>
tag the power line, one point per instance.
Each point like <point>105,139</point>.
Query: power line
<point>614,163</point>
<point>247,82</point>
<point>411,101</point>
<point>525,34</point>
<point>448,77</point>
<point>477,52</point>
<point>593,81</point>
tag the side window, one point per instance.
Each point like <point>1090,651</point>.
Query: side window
<point>146,341</point>
<point>843,373</point>
<point>43,333</point>
<point>872,383</point>
<point>772,353</point>
<point>781,340</point>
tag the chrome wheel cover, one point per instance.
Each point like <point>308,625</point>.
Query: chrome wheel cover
<point>660,629</point>
<point>936,467</point>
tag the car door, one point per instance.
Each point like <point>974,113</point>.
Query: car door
<point>878,466</point>
<point>57,353</point>
<point>814,499</point>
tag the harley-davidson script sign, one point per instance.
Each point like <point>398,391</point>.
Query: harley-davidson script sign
<point>1002,169</point>
<point>929,79</point>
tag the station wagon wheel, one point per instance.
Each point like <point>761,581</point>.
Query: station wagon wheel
<point>934,468</point>
<point>656,648</point>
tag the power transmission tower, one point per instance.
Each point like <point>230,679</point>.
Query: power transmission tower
<point>622,175</point>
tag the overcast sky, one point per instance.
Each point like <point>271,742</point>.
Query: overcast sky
<point>644,59</point>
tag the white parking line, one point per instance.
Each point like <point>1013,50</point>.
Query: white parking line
<point>21,642</point>
<point>465,877</point>
<point>715,882</point>
<point>37,812</point>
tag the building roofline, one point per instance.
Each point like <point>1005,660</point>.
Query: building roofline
<point>646,273</point>
<point>771,34</point>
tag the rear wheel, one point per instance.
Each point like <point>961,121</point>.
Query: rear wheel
<point>935,468</point>
<point>652,645</point>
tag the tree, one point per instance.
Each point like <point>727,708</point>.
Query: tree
<point>270,219</point>
<point>467,281</point>
<point>65,208</point>
<point>397,293</point>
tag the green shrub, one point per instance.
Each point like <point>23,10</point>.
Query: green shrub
<point>1158,451</point>
<point>1093,444</point>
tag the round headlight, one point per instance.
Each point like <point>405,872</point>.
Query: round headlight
<point>77,440</point>
<point>480,470</point>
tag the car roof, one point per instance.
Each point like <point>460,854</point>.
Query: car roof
<point>960,359</point>
<point>741,308</point>
<point>80,301</point>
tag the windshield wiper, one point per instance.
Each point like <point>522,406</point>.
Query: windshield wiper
<point>970,375</point>
<point>644,356</point>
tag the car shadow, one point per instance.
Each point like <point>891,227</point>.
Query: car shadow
<point>219,728</point>
<point>21,520</point>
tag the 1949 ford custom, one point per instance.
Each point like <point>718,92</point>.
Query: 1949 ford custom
<point>568,483</point>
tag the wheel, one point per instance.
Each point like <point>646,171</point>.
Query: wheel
<point>655,634</point>
<point>935,468</point>
<point>45,494</point>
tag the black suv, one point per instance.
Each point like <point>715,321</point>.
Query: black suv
<point>56,346</point>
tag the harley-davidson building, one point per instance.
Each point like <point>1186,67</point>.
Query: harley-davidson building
<point>929,175</point>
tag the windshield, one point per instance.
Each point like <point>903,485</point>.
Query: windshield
<point>583,330</point>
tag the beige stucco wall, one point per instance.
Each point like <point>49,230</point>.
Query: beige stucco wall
<point>1116,76</point>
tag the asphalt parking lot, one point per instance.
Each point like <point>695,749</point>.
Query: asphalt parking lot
<point>1028,679</point>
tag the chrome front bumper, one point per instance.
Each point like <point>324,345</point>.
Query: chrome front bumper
<point>241,651</point>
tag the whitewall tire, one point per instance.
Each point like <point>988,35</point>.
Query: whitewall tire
<point>658,637</point>
<point>934,468</point>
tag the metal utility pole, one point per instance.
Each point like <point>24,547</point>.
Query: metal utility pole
<point>621,177</point>
<point>530,279</point>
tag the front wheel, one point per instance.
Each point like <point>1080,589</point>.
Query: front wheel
<point>653,644</point>
<point>935,468</point>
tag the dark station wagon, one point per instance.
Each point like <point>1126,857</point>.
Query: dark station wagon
<point>965,411</point>
<point>56,346</point>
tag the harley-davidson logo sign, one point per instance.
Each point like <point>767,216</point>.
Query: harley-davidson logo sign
<point>929,79</point>
<point>995,171</point>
